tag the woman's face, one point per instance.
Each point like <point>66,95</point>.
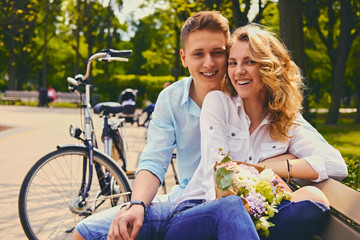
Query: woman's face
<point>244,72</point>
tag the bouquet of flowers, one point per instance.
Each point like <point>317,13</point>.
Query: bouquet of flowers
<point>260,189</point>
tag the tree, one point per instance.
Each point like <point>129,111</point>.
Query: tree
<point>337,31</point>
<point>353,75</point>
<point>18,18</point>
<point>291,28</point>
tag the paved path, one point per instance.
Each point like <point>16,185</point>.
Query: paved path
<point>34,132</point>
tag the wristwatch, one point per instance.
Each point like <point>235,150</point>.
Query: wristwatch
<point>135,202</point>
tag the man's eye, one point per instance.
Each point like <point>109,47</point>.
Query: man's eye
<point>219,53</point>
<point>198,54</point>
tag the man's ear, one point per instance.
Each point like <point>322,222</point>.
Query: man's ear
<point>183,58</point>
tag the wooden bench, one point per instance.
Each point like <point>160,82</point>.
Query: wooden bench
<point>344,220</point>
<point>22,96</point>
<point>67,97</point>
<point>33,96</point>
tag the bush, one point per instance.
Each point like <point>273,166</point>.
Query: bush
<point>3,85</point>
<point>148,87</point>
<point>353,178</point>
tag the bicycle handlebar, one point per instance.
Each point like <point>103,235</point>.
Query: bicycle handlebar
<point>110,59</point>
<point>108,55</point>
<point>118,53</point>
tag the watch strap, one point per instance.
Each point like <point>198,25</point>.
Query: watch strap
<point>135,202</point>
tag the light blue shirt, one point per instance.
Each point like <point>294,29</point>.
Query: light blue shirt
<point>175,124</point>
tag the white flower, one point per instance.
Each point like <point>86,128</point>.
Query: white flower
<point>267,175</point>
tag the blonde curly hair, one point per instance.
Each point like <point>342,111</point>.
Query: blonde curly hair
<point>280,75</point>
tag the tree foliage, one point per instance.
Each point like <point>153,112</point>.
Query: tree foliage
<point>43,42</point>
<point>337,24</point>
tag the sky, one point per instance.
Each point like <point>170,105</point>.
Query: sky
<point>131,7</point>
<point>131,10</point>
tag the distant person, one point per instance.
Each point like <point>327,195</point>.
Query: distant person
<point>166,84</point>
<point>42,97</point>
<point>51,96</point>
<point>150,108</point>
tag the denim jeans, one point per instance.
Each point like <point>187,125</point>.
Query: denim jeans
<point>194,219</point>
<point>297,220</point>
<point>154,227</point>
<point>226,218</point>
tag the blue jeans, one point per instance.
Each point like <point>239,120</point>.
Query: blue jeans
<point>154,227</point>
<point>297,220</point>
<point>226,218</point>
<point>294,221</point>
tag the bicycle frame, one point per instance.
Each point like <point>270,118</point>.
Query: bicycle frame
<point>109,135</point>
<point>107,56</point>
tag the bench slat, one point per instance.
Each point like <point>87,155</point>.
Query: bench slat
<point>336,229</point>
<point>33,96</point>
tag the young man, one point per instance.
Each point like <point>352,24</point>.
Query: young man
<point>175,123</point>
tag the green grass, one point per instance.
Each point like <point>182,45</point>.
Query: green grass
<point>345,136</point>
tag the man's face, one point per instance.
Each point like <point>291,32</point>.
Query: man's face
<point>205,57</point>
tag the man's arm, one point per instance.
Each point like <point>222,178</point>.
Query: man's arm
<point>127,223</point>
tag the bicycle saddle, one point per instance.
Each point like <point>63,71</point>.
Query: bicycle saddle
<point>108,108</point>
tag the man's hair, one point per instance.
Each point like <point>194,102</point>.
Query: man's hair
<point>280,75</point>
<point>205,20</point>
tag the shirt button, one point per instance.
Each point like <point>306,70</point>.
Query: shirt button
<point>211,127</point>
<point>233,134</point>
<point>250,158</point>
<point>274,147</point>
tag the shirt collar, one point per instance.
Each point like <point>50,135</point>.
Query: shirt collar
<point>186,97</point>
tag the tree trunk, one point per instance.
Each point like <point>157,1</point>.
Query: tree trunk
<point>236,12</point>
<point>342,53</point>
<point>177,55</point>
<point>44,62</point>
<point>291,28</point>
<point>12,70</point>
<point>77,37</point>
<point>108,38</point>
<point>357,116</point>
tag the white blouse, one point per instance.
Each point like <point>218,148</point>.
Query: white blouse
<point>224,124</point>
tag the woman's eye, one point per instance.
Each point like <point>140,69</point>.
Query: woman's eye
<point>232,63</point>
<point>251,62</point>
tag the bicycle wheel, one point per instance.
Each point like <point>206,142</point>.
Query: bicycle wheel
<point>50,192</point>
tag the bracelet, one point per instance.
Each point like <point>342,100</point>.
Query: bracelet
<point>288,169</point>
<point>135,202</point>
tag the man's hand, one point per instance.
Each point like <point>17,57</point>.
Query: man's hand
<point>127,223</point>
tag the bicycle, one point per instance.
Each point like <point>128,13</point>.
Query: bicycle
<point>74,181</point>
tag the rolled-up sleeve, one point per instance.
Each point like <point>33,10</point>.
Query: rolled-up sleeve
<point>322,157</point>
<point>156,155</point>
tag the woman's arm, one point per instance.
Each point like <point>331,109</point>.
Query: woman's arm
<point>298,168</point>
<point>316,160</point>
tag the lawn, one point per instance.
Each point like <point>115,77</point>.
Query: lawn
<point>345,136</point>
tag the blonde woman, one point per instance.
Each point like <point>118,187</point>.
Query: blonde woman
<point>255,121</point>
